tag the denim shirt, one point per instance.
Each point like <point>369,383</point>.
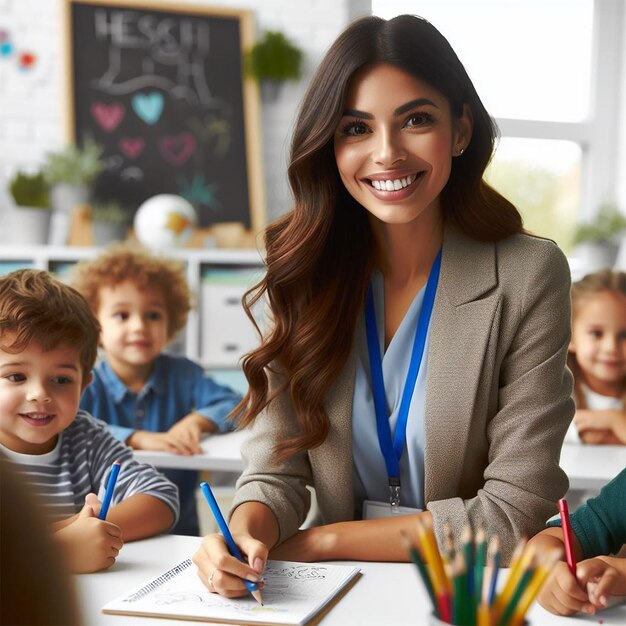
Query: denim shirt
<point>176,387</point>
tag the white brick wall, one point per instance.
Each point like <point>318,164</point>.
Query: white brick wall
<point>31,103</point>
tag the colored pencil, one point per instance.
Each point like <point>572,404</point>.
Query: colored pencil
<point>514,586</point>
<point>459,585</point>
<point>480,606</point>
<point>439,579</point>
<point>467,543</point>
<point>483,612</point>
<point>479,567</point>
<point>519,590</point>
<point>493,562</point>
<point>447,555</point>
<point>110,488</point>
<point>544,568</point>
<point>421,568</point>
<point>567,536</point>
<point>515,572</point>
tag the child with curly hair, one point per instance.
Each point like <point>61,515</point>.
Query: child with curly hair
<point>151,400</point>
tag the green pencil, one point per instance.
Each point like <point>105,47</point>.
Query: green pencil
<point>481,554</point>
<point>421,568</point>
<point>460,600</point>
<point>509,610</point>
<point>467,540</point>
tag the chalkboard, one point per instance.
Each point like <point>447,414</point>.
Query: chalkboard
<point>160,86</point>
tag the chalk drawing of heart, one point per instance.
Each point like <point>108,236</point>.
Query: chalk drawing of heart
<point>148,106</point>
<point>177,148</point>
<point>132,147</point>
<point>108,116</point>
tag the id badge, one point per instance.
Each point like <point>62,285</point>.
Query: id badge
<point>373,509</point>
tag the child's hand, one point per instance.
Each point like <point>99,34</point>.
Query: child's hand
<point>611,420</point>
<point>188,431</point>
<point>562,593</point>
<point>89,544</point>
<point>599,437</point>
<point>601,579</point>
<point>147,440</point>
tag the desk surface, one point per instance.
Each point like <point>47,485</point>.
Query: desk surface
<point>588,467</point>
<point>366,603</point>
<point>220,453</point>
<point>591,467</point>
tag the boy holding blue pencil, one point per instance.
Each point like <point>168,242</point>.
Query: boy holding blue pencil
<point>48,344</point>
<point>599,533</point>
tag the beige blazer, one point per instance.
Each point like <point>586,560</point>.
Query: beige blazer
<point>498,402</point>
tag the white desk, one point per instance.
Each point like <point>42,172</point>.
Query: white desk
<point>587,466</point>
<point>591,467</point>
<point>221,453</point>
<point>385,594</point>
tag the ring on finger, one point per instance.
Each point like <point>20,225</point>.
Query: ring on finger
<point>210,581</point>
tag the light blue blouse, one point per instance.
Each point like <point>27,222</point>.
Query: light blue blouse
<point>370,474</point>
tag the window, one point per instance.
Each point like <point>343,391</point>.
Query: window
<point>548,71</point>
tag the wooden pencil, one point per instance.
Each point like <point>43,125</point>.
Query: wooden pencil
<point>421,568</point>
<point>441,584</point>
<point>545,566</point>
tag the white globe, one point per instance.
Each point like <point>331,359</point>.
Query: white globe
<point>164,221</point>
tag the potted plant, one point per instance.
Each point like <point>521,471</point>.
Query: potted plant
<point>110,222</point>
<point>597,242</point>
<point>30,217</point>
<point>71,173</point>
<point>272,60</point>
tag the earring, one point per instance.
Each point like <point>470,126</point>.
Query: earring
<point>461,151</point>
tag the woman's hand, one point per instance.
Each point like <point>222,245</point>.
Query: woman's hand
<point>222,573</point>
<point>313,544</point>
<point>89,544</point>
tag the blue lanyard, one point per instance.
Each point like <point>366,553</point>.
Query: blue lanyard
<point>392,452</point>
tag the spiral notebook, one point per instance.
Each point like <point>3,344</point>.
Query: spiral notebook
<point>294,593</point>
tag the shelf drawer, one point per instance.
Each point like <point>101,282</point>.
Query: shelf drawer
<point>226,332</point>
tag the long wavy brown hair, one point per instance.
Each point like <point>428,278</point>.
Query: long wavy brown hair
<point>582,291</point>
<point>320,255</point>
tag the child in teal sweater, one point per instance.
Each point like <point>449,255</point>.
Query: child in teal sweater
<point>599,531</point>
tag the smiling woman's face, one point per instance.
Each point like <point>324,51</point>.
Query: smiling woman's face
<point>395,142</point>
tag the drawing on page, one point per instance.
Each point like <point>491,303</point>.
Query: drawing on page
<point>243,605</point>
<point>296,572</point>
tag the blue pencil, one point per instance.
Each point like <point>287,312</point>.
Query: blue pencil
<point>253,588</point>
<point>108,494</point>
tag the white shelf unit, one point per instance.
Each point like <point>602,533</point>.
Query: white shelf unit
<point>217,301</point>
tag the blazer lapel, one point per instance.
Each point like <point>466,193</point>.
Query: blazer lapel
<point>462,322</point>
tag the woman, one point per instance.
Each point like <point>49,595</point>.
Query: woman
<point>386,170</point>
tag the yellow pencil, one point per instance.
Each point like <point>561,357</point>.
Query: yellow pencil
<point>524,564</point>
<point>483,614</point>
<point>546,564</point>
<point>441,584</point>
<point>514,574</point>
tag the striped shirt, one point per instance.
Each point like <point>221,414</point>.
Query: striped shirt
<point>80,463</point>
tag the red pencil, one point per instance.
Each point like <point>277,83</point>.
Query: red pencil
<point>567,536</point>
